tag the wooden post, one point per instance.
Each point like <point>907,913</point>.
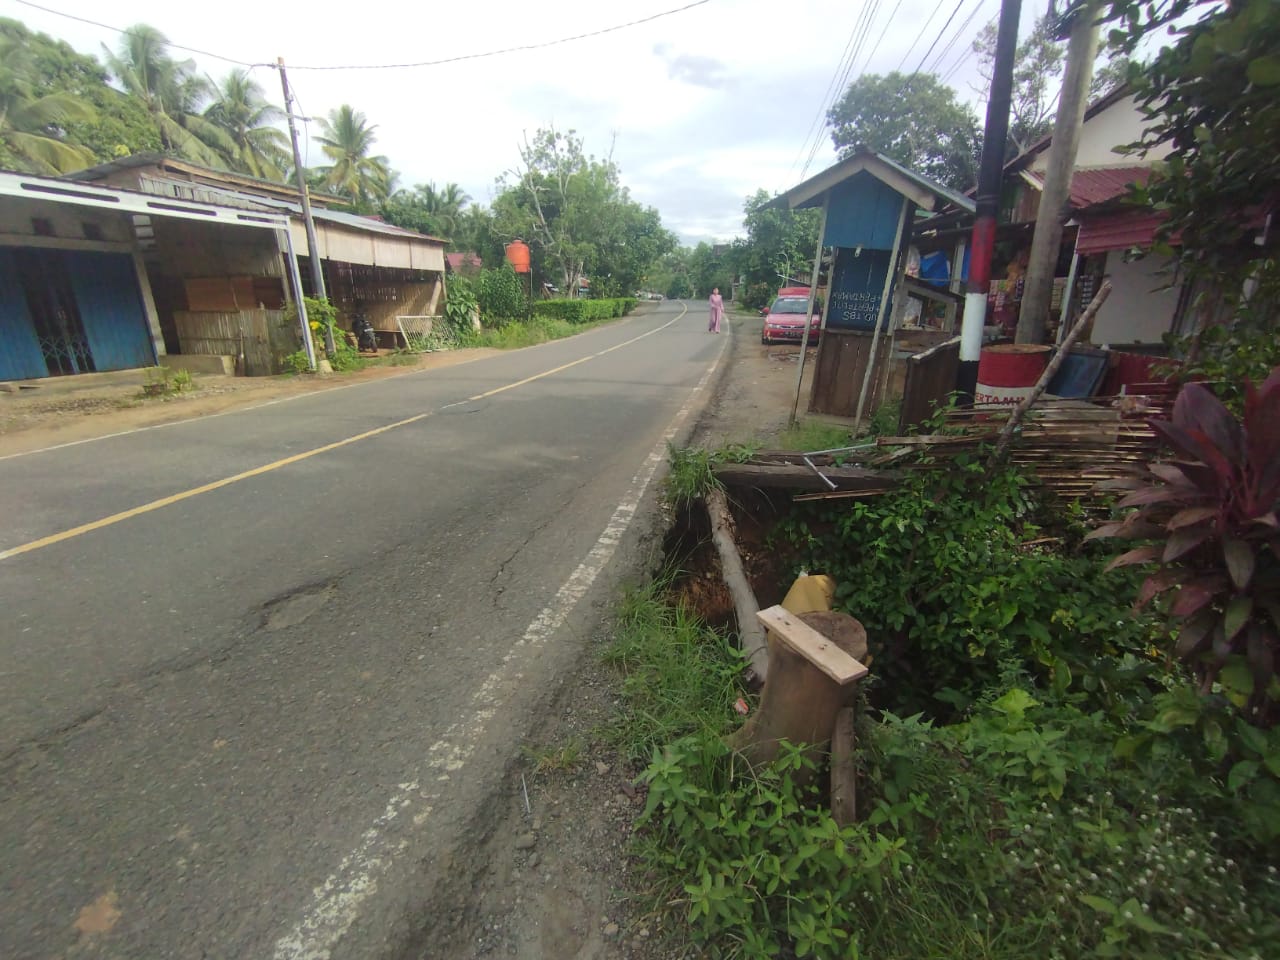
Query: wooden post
<point>814,660</point>
<point>745,606</point>
<point>844,776</point>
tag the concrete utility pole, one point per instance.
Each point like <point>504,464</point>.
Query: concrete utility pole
<point>983,242</point>
<point>1037,289</point>
<point>313,245</point>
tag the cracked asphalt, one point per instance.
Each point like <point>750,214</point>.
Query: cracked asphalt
<point>266,719</point>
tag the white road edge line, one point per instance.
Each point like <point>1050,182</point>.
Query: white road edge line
<point>337,901</point>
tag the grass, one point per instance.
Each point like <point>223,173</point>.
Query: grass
<point>521,333</point>
<point>813,435</point>
<point>678,675</point>
<point>551,759</point>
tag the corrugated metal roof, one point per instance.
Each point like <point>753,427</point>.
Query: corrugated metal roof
<point>1117,231</point>
<point>1091,187</point>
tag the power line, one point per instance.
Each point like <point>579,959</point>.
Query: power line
<point>942,54</point>
<point>907,55</point>
<point>822,103</point>
<point>966,56</point>
<point>130,33</point>
<point>516,49</point>
<point>872,9</point>
<point>959,4</point>
<point>386,66</point>
<point>880,39</point>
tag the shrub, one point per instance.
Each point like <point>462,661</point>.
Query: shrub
<point>584,311</point>
<point>1213,514</point>
<point>500,293</point>
<point>460,305</point>
<point>946,575</point>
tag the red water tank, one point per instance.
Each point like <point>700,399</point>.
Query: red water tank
<point>518,256</point>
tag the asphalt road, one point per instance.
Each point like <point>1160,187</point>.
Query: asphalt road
<point>257,718</point>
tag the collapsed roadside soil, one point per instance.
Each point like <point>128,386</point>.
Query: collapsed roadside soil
<point>555,881</point>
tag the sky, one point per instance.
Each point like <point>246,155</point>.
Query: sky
<point>700,108</point>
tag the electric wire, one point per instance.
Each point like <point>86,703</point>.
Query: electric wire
<point>872,8</point>
<point>959,4</point>
<point>955,37</point>
<point>822,103</point>
<point>906,56</point>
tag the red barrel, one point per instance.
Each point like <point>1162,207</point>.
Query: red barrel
<point>1008,372</point>
<point>518,256</point>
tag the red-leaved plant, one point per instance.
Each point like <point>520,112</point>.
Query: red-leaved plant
<point>1212,511</point>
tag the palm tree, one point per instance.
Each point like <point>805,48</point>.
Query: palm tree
<point>242,112</point>
<point>441,208</point>
<point>347,137</point>
<point>173,94</point>
<point>30,124</point>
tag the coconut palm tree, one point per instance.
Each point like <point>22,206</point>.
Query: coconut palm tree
<point>30,124</point>
<point>172,92</point>
<point>346,139</point>
<point>242,112</point>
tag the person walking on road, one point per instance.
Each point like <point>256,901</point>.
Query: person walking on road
<point>717,311</point>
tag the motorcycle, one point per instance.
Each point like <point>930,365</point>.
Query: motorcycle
<point>366,338</point>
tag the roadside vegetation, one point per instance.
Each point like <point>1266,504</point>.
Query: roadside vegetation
<point>1042,774</point>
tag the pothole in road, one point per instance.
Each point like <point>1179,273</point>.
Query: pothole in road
<point>295,607</point>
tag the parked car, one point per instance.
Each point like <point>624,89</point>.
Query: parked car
<point>785,321</point>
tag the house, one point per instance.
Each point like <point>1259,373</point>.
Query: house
<point>76,293</point>
<point>214,289</point>
<point>464,264</point>
<point>1105,238</point>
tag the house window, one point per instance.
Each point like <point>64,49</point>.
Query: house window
<point>41,227</point>
<point>92,231</point>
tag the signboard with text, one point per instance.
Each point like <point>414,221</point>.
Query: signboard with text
<point>857,285</point>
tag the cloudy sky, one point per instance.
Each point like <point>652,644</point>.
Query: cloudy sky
<point>701,107</point>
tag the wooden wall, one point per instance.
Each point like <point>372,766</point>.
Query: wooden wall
<point>840,367</point>
<point>262,335</point>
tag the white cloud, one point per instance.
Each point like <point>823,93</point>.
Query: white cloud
<point>702,107</point>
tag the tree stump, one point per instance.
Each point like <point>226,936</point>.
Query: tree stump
<point>814,662</point>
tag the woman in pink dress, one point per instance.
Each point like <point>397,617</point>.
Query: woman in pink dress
<point>717,311</point>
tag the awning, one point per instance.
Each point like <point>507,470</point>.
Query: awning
<point>1118,231</point>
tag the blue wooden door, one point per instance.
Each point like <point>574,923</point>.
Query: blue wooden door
<point>115,323</point>
<point>20,354</point>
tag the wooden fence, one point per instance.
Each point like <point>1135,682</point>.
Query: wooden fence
<point>931,377</point>
<point>260,336</point>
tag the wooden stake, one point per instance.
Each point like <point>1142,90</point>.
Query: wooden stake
<point>1006,433</point>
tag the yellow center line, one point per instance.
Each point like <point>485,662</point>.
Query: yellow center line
<point>286,461</point>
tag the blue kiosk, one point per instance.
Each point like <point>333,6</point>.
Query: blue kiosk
<point>869,205</point>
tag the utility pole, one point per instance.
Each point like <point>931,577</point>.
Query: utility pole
<point>1037,289</point>
<point>990,174</point>
<point>313,246</point>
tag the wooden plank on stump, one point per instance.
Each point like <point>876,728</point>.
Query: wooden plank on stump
<point>813,646</point>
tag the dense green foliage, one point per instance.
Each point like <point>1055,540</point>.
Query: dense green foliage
<point>501,293</point>
<point>1036,779</point>
<point>1209,519</point>
<point>946,575</point>
<point>584,311</point>
<point>914,119</point>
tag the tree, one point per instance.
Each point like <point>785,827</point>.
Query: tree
<point>577,217</point>
<point>914,119</point>
<point>115,125</point>
<point>709,270</point>
<point>242,112</point>
<point>31,123</point>
<point>347,138</point>
<point>780,243</point>
<point>1037,77</point>
<point>173,94</point>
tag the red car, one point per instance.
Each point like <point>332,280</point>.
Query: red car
<point>785,321</point>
